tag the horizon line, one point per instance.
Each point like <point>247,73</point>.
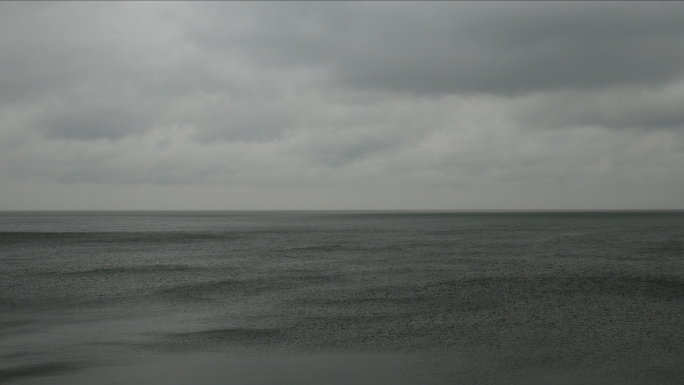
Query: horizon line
<point>340,210</point>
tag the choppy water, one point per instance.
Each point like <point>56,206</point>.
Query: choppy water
<point>342,298</point>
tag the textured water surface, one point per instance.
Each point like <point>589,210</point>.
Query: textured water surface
<point>341,298</point>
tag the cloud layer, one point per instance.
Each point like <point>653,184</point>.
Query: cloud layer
<point>456,101</point>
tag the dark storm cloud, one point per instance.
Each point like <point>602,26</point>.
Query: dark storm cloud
<point>437,48</point>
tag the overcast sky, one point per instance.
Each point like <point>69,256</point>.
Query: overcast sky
<point>341,105</point>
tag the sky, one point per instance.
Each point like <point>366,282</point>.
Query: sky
<point>341,105</point>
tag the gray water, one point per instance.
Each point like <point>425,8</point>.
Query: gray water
<point>341,298</point>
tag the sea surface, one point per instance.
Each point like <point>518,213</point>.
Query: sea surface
<point>341,298</point>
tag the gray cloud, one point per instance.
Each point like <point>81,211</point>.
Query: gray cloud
<point>620,108</point>
<point>438,48</point>
<point>91,124</point>
<point>465,100</point>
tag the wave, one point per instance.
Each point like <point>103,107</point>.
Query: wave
<point>207,339</point>
<point>145,269</point>
<point>249,286</point>
<point>104,237</point>
<point>43,369</point>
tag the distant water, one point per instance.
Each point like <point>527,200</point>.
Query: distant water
<point>341,298</point>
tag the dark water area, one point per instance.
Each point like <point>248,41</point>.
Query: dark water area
<point>341,298</point>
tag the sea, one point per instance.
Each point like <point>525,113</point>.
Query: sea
<point>342,297</point>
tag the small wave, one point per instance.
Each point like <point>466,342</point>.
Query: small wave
<point>114,237</point>
<point>132,270</point>
<point>194,291</point>
<point>251,286</point>
<point>226,334</point>
<point>206,339</point>
<point>44,369</point>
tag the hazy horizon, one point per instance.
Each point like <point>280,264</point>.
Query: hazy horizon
<point>417,211</point>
